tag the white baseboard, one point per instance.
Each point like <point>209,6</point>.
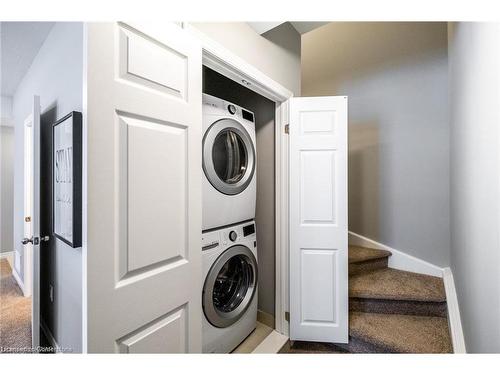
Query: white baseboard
<point>9,255</point>
<point>49,336</point>
<point>271,344</point>
<point>398,260</point>
<point>19,281</point>
<point>454,321</point>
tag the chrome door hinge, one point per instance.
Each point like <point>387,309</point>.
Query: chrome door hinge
<point>287,316</point>
<point>287,129</point>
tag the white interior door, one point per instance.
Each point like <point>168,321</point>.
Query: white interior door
<point>318,219</point>
<point>144,286</point>
<point>31,240</point>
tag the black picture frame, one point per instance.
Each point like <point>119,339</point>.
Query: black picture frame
<point>67,163</point>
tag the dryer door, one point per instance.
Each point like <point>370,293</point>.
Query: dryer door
<point>228,156</point>
<point>230,286</point>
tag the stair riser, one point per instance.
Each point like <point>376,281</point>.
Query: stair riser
<point>367,266</point>
<point>381,306</point>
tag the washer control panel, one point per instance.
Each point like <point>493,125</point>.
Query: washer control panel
<point>227,236</point>
<point>210,240</point>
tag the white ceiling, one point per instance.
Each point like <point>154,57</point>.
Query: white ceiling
<point>301,27</point>
<point>20,43</point>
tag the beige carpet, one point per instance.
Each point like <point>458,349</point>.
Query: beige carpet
<point>402,333</point>
<point>359,254</point>
<point>15,314</point>
<point>389,283</point>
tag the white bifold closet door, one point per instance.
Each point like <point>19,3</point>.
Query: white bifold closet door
<point>318,219</point>
<point>144,189</point>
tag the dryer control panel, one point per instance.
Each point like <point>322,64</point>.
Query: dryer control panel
<point>229,108</point>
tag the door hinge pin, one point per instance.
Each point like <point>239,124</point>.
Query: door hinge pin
<point>287,316</point>
<point>287,129</point>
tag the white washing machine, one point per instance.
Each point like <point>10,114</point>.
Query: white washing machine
<point>229,163</point>
<point>229,293</point>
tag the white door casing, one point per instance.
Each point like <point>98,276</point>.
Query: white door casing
<point>144,189</point>
<point>318,219</point>
<point>27,205</point>
<point>31,216</point>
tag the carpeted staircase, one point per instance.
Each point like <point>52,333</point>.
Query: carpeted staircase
<point>391,311</point>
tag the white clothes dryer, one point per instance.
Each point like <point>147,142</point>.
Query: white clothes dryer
<point>229,163</point>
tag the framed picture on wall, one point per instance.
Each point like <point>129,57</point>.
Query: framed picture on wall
<point>67,179</point>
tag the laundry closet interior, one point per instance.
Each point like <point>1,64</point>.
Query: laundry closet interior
<point>232,156</point>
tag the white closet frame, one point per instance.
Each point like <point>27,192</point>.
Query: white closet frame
<point>223,61</point>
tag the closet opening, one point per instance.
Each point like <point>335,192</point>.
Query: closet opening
<point>235,157</point>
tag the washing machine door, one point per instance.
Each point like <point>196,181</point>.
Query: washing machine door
<point>230,286</point>
<point>228,156</point>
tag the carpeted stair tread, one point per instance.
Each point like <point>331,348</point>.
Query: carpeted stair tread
<point>401,333</point>
<point>392,284</point>
<point>359,254</point>
<point>401,307</point>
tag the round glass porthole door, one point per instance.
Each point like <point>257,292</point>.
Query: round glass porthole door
<point>230,286</point>
<point>228,156</point>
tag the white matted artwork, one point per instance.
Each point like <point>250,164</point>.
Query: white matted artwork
<point>66,175</point>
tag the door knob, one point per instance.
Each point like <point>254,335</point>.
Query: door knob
<point>26,240</point>
<point>35,240</point>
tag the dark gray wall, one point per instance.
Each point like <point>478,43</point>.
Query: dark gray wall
<point>56,75</point>
<point>396,77</point>
<point>474,53</point>
<point>264,110</point>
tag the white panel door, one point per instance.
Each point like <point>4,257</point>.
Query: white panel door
<point>143,189</point>
<point>31,240</point>
<point>318,219</point>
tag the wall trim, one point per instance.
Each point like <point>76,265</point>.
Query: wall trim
<point>9,255</point>
<point>19,281</point>
<point>49,336</point>
<point>454,321</point>
<point>399,259</point>
<point>219,58</point>
<point>272,344</point>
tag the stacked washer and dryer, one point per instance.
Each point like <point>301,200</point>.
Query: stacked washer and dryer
<point>230,271</point>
